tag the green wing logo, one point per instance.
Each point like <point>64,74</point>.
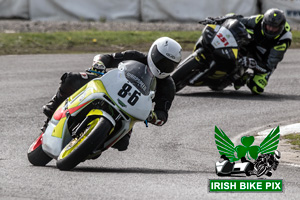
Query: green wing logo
<point>225,145</point>
<point>235,153</point>
<point>270,143</point>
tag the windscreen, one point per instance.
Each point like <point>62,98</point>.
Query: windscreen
<point>139,75</point>
<point>238,30</point>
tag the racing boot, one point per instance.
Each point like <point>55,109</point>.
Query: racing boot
<point>123,143</point>
<point>241,81</point>
<point>53,104</point>
<point>43,128</point>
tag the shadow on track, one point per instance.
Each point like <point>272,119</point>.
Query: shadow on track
<point>241,95</point>
<point>137,170</point>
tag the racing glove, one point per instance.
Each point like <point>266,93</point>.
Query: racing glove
<point>208,20</point>
<point>220,19</point>
<point>258,83</point>
<point>157,118</point>
<point>247,62</point>
<point>251,63</point>
<point>98,68</point>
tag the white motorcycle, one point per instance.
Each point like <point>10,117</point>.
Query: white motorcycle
<point>96,116</point>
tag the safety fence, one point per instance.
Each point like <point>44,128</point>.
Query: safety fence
<point>140,10</point>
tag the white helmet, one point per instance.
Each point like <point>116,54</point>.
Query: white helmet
<point>277,154</point>
<point>96,59</point>
<point>164,56</point>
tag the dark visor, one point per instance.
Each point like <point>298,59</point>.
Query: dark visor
<point>271,29</point>
<point>161,62</point>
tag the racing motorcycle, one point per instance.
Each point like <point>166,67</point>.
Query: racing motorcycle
<point>214,61</point>
<point>96,116</point>
<point>265,163</point>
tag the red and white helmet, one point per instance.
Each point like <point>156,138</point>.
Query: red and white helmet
<point>163,57</point>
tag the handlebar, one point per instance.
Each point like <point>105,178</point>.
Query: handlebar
<point>219,20</point>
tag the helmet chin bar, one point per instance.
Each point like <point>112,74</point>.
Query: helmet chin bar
<point>154,70</point>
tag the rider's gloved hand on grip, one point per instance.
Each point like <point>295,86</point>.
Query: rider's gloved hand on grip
<point>251,64</point>
<point>98,68</point>
<point>157,118</point>
<point>248,62</point>
<point>210,20</point>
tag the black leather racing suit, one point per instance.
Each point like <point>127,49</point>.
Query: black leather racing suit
<point>267,52</point>
<point>165,88</point>
<point>72,81</point>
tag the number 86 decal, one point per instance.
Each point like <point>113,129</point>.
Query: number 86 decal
<point>134,97</point>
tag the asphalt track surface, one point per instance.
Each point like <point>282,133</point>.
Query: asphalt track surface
<point>170,162</point>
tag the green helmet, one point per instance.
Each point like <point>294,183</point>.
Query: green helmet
<point>273,23</point>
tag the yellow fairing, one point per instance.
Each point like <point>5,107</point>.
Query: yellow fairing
<point>95,112</point>
<point>76,99</point>
<point>235,52</point>
<point>100,113</point>
<point>212,26</point>
<point>57,131</point>
<point>89,88</point>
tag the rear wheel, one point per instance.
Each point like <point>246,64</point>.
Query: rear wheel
<point>36,154</point>
<point>213,88</point>
<point>94,134</point>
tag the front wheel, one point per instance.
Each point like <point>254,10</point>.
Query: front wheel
<point>79,148</point>
<point>261,170</point>
<point>185,71</point>
<point>36,155</point>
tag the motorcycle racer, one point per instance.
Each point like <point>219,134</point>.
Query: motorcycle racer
<point>271,160</point>
<point>271,38</point>
<point>163,57</point>
<point>214,60</point>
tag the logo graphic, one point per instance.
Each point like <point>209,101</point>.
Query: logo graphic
<point>227,148</point>
<point>255,160</point>
<point>265,156</point>
<point>121,103</point>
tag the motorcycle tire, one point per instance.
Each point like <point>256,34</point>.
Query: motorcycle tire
<point>36,155</point>
<point>184,72</point>
<point>79,149</point>
<point>261,170</point>
<point>216,88</point>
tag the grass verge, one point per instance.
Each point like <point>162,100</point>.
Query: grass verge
<point>96,41</point>
<point>293,139</point>
<point>88,41</point>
